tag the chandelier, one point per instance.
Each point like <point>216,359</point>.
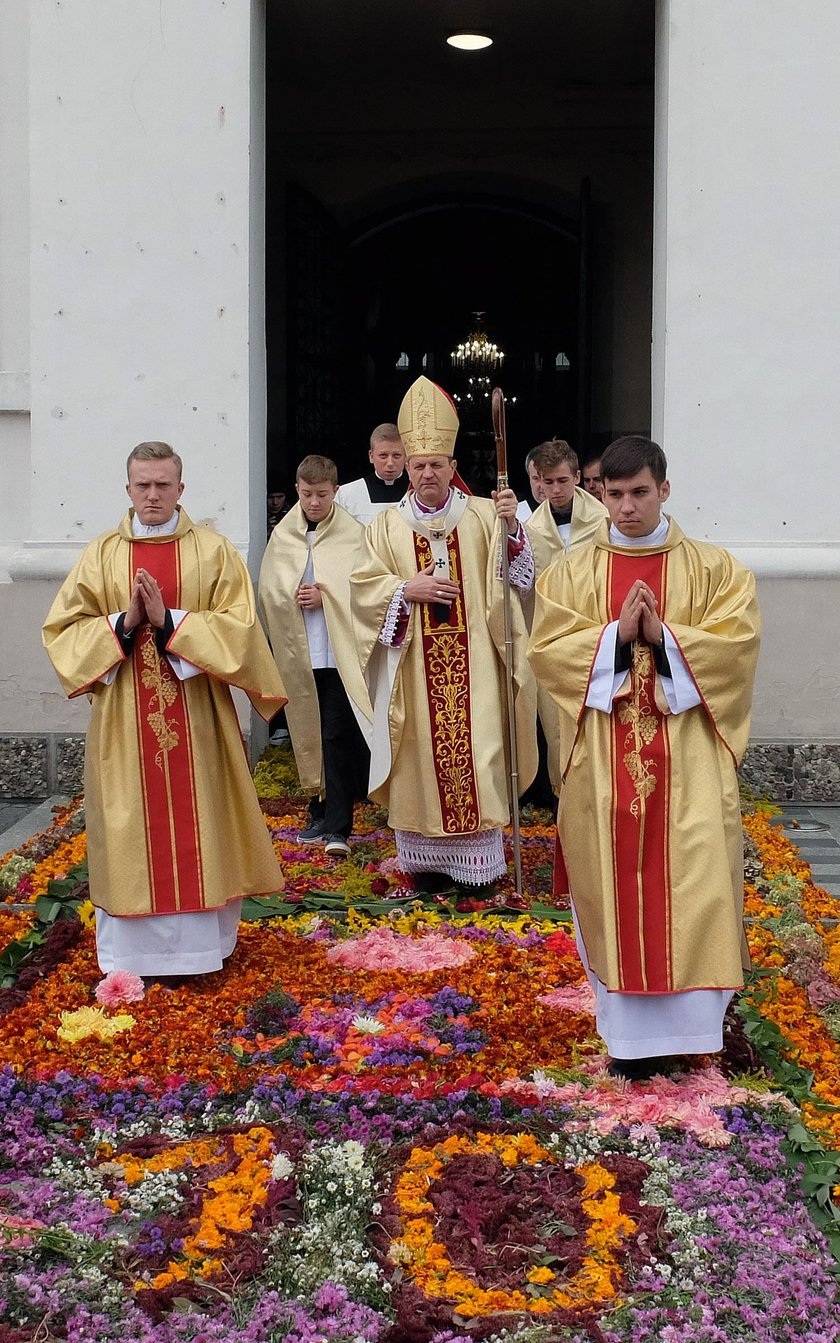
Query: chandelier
<point>477,352</point>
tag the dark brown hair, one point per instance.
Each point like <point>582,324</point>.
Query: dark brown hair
<point>629,455</point>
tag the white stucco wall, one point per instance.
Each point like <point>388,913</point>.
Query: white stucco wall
<point>131,286</point>
<point>747,274</point>
<point>142,275</point>
<point>14,277</point>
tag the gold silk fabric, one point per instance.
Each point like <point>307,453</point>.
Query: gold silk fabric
<point>640,756</point>
<point>468,671</point>
<point>588,514</point>
<point>335,551</point>
<point>174,824</point>
<point>427,420</point>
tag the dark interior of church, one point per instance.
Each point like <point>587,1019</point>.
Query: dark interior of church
<point>418,194</point>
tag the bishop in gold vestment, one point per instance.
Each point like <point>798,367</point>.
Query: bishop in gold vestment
<point>650,737</point>
<point>428,611</point>
<point>175,832</point>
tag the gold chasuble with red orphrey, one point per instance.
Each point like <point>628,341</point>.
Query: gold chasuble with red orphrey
<point>439,760</point>
<point>174,825</point>
<point>649,819</point>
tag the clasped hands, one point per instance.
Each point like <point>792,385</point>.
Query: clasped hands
<point>638,616</point>
<point>308,596</point>
<point>146,603</point>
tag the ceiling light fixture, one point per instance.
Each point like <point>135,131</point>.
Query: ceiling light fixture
<point>469,41</point>
<point>477,353</point>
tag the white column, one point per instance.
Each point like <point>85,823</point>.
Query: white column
<point>140,261</point>
<point>146,265</point>
<point>746,336</point>
<point>14,279</point>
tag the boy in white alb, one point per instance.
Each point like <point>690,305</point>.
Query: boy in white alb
<point>304,592</point>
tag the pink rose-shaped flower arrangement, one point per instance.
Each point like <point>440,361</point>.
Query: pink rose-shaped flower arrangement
<point>383,949</point>
<point>120,986</point>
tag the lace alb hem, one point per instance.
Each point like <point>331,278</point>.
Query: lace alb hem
<point>474,859</point>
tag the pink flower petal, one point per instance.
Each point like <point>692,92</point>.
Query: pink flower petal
<point>120,986</point>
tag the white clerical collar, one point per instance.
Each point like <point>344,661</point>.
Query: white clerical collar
<point>654,538</point>
<point>421,511</point>
<point>157,529</point>
<point>382,479</point>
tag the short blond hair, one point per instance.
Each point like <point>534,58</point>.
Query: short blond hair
<point>314,470</point>
<point>154,452</point>
<point>385,433</point>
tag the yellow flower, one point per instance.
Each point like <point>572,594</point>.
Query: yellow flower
<point>540,1275</point>
<point>85,1021</point>
<point>87,913</point>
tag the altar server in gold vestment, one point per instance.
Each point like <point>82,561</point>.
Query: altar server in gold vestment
<point>304,592</point>
<point>428,612</point>
<point>156,621</point>
<point>647,642</point>
<point>566,519</point>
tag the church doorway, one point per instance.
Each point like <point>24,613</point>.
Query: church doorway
<point>410,187</point>
<point>423,283</point>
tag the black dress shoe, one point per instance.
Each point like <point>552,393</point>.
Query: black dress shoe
<point>638,1070</point>
<point>466,890</point>
<point>432,883</point>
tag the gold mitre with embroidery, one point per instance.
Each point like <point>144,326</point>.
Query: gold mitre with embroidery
<point>428,421</point>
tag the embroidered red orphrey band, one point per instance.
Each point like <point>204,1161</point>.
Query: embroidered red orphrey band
<point>166,752</point>
<point>446,658</point>
<point>641,778</point>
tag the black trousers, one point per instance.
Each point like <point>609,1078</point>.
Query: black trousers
<point>540,793</point>
<point>346,756</point>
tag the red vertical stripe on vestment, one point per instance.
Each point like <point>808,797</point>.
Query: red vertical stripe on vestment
<point>446,659</point>
<point>640,762</point>
<point>166,752</point>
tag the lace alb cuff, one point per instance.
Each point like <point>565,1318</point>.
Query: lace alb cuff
<point>521,571</point>
<point>395,616</point>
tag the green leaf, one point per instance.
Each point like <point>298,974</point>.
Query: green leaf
<point>47,910</point>
<point>539,910</point>
<point>265,907</point>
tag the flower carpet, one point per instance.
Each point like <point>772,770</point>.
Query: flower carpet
<point>392,1121</point>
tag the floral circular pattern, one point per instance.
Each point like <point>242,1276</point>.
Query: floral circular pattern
<point>532,1232</point>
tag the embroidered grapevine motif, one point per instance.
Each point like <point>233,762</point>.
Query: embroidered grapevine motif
<point>157,678</point>
<point>449,698</point>
<point>446,653</point>
<point>643,724</point>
